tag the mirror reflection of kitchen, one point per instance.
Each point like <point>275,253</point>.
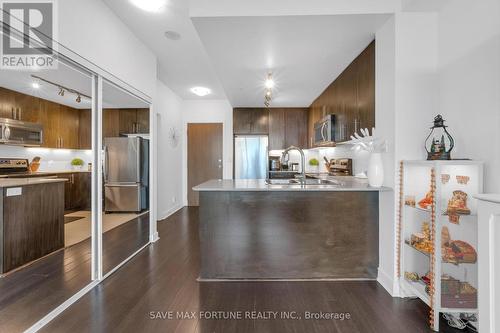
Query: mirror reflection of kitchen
<point>46,188</point>
<point>126,175</point>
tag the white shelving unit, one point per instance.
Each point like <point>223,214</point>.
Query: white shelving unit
<point>442,178</point>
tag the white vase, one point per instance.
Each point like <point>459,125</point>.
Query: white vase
<point>375,170</point>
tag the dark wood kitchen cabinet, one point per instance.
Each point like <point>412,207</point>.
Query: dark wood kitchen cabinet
<point>17,106</point>
<point>134,121</point>
<point>32,224</point>
<point>85,130</point>
<point>60,126</point>
<point>115,122</point>
<point>351,97</point>
<point>287,127</point>
<point>250,121</point>
<point>77,190</point>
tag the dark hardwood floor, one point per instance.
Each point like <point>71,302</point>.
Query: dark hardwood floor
<point>163,277</point>
<point>32,292</point>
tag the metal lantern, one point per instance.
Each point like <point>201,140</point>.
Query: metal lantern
<point>439,142</point>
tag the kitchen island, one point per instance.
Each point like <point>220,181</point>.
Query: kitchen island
<point>31,220</point>
<point>253,230</point>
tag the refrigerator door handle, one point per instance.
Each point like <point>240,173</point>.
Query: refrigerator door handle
<point>139,159</point>
<point>106,164</point>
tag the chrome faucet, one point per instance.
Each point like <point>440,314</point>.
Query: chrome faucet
<point>302,159</point>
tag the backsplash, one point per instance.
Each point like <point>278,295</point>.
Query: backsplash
<point>359,158</point>
<point>52,160</point>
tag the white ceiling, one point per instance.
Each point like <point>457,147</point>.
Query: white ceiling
<point>183,64</point>
<point>304,53</point>
<point>231,55</point>
<point>226,8</point>
<point>69,77</point>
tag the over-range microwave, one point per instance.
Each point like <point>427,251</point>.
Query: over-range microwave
<point>22,133</point>
<point>325,132</point>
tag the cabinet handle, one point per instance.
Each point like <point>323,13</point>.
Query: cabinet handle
<point>12,113</point>
<point>19,113</point>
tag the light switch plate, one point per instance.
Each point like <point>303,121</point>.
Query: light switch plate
<point>14,191</point>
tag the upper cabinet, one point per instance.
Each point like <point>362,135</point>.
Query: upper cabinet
<point>250,121</point>
<point>67,127</point>
<point>351,97</point>
<point>133,121</point>
<point>287,127</point>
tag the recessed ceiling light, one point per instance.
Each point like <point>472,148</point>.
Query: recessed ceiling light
<point>172,35</point>
<point>200,91</point>
<point>149,5</point>
<point>35,85</point>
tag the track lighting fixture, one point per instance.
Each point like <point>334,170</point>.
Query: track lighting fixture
<point>269,84</point>
<point>62,89</point>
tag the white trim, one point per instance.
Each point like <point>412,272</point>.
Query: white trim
<point>386,281</point>
<point>492,267</point>
<point>73,299</point>
<point>124,261</point>
<point>285,280</point>
<point>57,311</point>
<point>170,212</point>
<point>154,237</point>
<point>153,173</point>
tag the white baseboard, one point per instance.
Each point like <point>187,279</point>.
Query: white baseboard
<point>169,212</point>
<point>386,281</point>
<point>155,237</point>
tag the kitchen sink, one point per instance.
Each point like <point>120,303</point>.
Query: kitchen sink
<point>315,181</point>
<point>309,182</point>
<point>282,181</point>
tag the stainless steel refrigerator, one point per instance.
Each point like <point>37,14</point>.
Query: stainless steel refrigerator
<point>250,156</point>
<point>126,174</point>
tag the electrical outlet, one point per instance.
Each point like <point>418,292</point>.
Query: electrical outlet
<point>174,199</point>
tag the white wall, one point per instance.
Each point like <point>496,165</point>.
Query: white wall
<point>469,81</point>
<point>385,119</point>
<point>90,29</point>
<point>168,107</point>
<point>406,98</point>
<point>209,111</point>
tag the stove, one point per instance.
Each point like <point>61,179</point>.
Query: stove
<point>13,165</point>
<point>18,168</point>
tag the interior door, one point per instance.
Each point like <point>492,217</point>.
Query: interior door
<point>204,156</point>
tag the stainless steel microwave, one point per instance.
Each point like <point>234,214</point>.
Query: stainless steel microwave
<point>325,131</point>
<point>21,133</point>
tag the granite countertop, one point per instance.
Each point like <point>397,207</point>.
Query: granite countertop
<point>348,184</point>
<point>495,198</point>
<point>12,182</point>
<point>61,171</point>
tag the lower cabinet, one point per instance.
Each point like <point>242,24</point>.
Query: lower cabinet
<point>32,224</point>
<point>77,190</point>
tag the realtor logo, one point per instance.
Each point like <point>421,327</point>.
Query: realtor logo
<point>29,28</point>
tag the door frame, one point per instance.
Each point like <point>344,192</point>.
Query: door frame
<point>98,74</point>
